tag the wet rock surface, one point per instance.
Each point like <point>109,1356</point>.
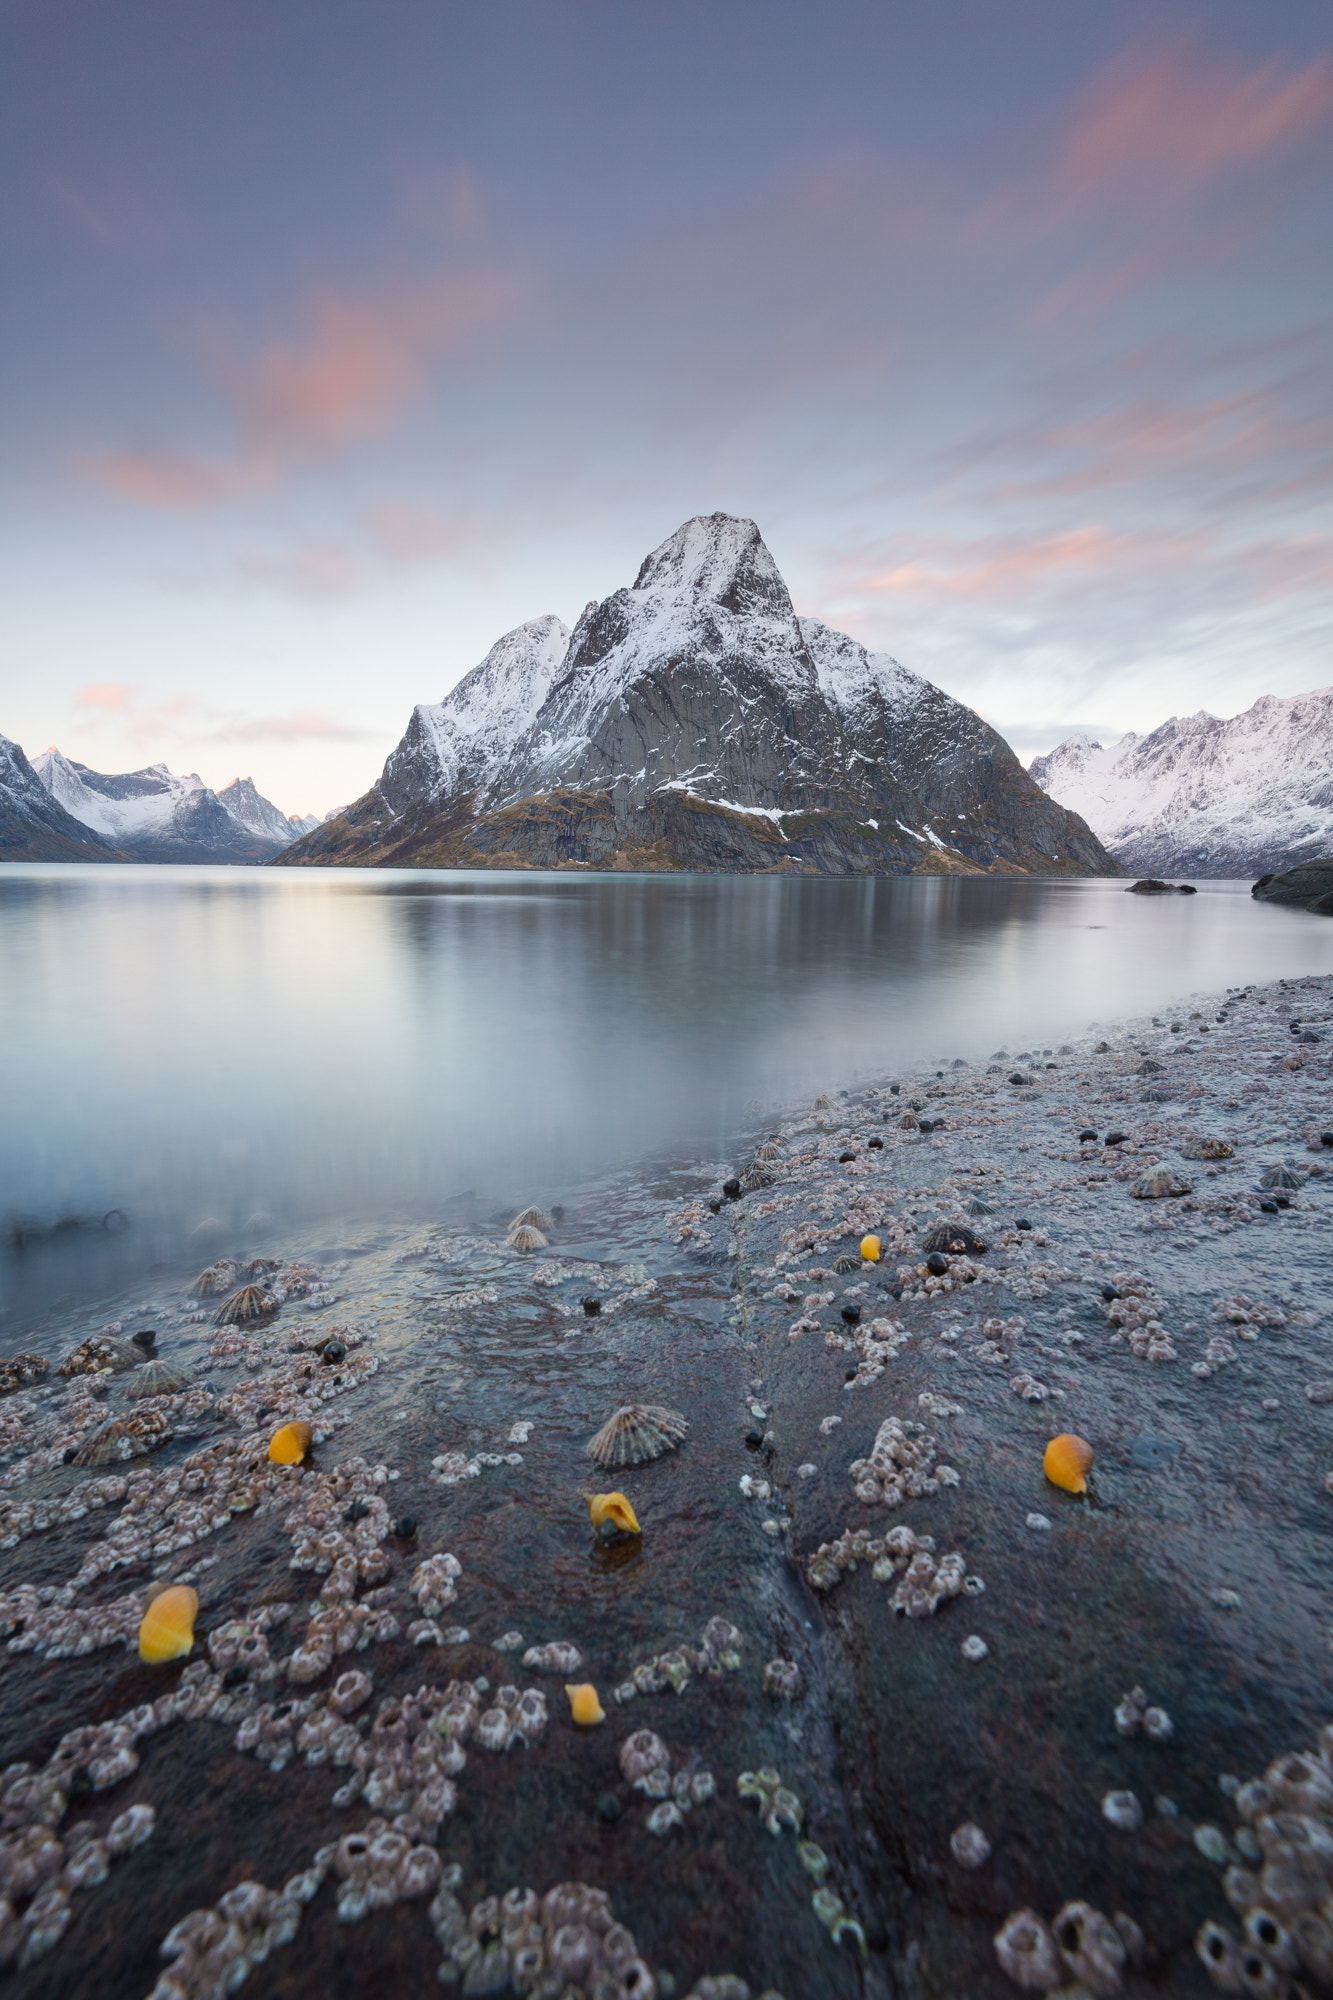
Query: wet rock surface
<point>890,1690</point>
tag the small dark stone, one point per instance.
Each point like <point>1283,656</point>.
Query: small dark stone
<point>897,1291</point>
<point>715,1202</point>
<point>1115,1138</point>
<point>1326,1138</point>
<point>1022,1223</point>
<point>67,1456</point>
<point>1268,1207</point>
<point>333,1351</point>
<point>405,1527</point>
<point>591,1306</point>
<point>608,1808</point>
<point>236,1676</point>
<point>1282,1200</point>
<point>850,1376</point>
<point>937,1265</point>
<point>1017,1076</point>
<point>1109,1292</point>
<point>876,1145</point>
<point>754,1437</point>
<point>357,1511</point>
<point>894,1088</point>
<point>145,1338</point>
<point>731,1189</point>
<point>1087,1135</point>
<point>851,1314</point>
<point>927,1124</point>
<point>844,1157</point>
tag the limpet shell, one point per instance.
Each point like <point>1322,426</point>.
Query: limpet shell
<point>637,1433</point>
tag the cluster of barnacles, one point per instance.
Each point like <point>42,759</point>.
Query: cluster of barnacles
<point>645,1761</point>
<point>901,1466</point>
<point>1134,1313</point>
<point>718,1651</point>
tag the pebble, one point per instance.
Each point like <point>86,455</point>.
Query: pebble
<point>1038,1521</point>
<point>1211,1843</point>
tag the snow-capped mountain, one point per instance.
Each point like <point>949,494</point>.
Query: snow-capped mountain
<point>1201,796</point>
<point>36,827</point>
<point>245,802</point>
<point>154,815</point>
<point>460,743</point>
<point>693,720</point>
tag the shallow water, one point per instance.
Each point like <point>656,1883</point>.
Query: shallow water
<point>188,1049</point>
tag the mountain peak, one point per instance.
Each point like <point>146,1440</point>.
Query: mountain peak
<point>720,557</point>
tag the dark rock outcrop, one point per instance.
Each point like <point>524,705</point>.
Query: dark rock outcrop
<point>1308,887</point>
<point>693,721</point>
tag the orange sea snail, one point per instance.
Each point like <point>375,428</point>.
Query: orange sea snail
<point>612,1510</point>
<point>289,1445</point>
<point>1068,1462</point>
<point>584,1706</point>
<point>166,1631</point>
<point>871,1249</point>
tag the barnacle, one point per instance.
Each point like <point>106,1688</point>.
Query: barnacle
<point>1068,1461</point>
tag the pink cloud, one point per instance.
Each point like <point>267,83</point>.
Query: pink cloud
<point>307,723</point>
<point>1171,122</point>
<point>356,365</point>
<point>993,569</point>
<point>113,696</point>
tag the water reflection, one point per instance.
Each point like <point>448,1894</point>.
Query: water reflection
<point>203,1048</point>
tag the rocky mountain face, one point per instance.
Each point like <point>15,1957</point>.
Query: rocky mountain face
<point>245,802</point>
<point>1200,796</point>
<point>154,815</point>
<point>693,721</point>
<point>36,827</point>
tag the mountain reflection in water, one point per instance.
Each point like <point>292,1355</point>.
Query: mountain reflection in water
<point>193,1047</point>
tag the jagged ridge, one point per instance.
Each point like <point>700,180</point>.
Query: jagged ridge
<point>1201,796</point>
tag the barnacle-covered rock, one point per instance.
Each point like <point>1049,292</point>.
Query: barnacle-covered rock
<point>99,1355</point>
<point>21,1371</point>
<point>121,1438</point>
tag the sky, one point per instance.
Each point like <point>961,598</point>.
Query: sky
<point>340,338</point>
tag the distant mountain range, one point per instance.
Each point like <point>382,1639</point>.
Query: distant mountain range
<point>53,809</point>
<point>693,721</point>
<point>1199,796</point>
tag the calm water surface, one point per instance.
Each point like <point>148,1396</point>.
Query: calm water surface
<point>186,1050</point>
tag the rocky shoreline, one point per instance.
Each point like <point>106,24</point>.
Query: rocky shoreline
<point>876,1693</point>
<point>1184,1335</point>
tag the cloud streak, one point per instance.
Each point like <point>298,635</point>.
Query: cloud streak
<point>356,365</point>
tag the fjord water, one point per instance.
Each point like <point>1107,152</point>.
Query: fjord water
<point>188,1050</point>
